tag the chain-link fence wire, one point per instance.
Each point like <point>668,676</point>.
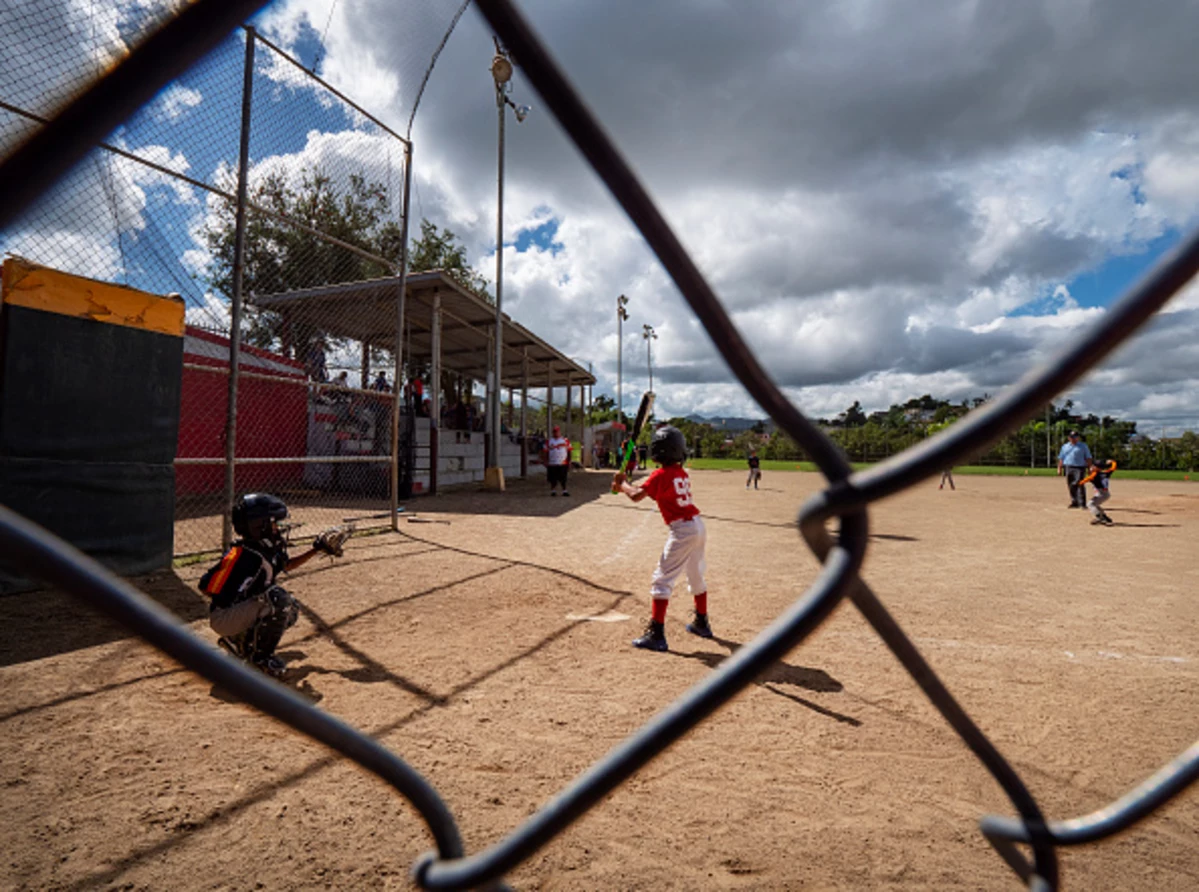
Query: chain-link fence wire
<point>324,208</point>
<point>155,208</point>
<point>846,500</point>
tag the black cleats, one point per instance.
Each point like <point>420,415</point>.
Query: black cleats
<point>653,638</point>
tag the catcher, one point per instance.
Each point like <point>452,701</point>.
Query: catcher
<point>249,611</point>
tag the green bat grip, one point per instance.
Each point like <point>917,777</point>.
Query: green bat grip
<point>628,457</point>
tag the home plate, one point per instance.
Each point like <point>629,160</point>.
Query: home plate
<point>608,616</point>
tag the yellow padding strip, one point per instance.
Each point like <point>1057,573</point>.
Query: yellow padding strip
<point>40,288</point>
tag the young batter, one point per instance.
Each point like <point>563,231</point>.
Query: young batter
<point>670,487</point>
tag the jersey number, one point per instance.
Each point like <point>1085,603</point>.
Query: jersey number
<point>682,486</point>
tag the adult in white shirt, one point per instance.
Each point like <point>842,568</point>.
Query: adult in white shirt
<point>557,461</point>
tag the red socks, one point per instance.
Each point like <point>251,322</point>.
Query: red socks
<point>660,605</point>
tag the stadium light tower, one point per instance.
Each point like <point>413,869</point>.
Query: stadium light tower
<point>501,74</point>
<point>622,316</point>
<point>647,332</point>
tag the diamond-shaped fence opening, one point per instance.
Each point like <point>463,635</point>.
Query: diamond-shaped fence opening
<point>118,196</point>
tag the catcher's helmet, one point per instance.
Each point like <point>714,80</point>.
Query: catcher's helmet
<point>256,515</point>
<point>669,446</point>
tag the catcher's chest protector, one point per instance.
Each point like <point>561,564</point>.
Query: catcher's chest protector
<point>242,573</point>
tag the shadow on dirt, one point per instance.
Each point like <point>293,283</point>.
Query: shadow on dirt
<point>228,812</point>
<point>816,680</point>
<point>523,498</point>
<point>44,623</point>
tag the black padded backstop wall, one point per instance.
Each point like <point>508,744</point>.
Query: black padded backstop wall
<point>89,421</point>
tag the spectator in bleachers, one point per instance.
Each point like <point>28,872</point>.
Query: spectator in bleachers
<point>381,384</point>
<point>314,361</point>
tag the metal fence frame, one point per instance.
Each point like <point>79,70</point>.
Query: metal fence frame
<point>243,205</point>
<point>846,499</point>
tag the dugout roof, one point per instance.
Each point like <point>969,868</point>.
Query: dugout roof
<point>367,311</point>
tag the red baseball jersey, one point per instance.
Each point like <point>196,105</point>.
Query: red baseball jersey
<point>670,487</point>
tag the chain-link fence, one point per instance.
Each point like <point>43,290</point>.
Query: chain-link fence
<point>246,179</point>
<point>846,501</point>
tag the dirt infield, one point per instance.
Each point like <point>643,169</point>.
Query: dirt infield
<point>492,652</point>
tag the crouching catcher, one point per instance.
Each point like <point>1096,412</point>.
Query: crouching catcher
<point>249,610</point>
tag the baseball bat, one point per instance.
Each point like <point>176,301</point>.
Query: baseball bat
<point>643,412</point>
<point>399,510</point>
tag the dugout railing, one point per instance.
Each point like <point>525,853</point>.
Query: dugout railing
<point>845,500</point>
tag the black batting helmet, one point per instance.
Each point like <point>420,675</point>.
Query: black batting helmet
<point>256,514</point>
<point>669,446</point>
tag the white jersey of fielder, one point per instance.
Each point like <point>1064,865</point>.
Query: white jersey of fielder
<point>558,447</point>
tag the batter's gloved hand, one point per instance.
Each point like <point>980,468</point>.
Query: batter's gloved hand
<point>332,541</point>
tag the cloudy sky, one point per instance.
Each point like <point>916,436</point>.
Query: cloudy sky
<point>892,198</point>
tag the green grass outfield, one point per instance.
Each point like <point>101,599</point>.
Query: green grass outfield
<point>738,464</point>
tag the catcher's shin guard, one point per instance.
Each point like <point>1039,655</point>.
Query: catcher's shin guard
<point>266,634</point>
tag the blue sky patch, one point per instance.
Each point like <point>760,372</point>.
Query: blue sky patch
<point>1101,286</point>
<point>542,237</point>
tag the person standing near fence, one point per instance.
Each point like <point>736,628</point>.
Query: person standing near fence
<point>557,460</point>
<point>1074,460</point>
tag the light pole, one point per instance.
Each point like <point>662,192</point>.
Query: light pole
<point>647,332</point>
<point>501,73</point>
<point>622,315</point>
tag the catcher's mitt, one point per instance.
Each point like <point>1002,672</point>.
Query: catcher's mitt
<point>331,541</point>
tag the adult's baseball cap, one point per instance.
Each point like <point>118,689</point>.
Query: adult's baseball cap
<point>1072,434</point>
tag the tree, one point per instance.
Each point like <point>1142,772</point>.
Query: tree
<point>853,416</point>
<point>439,249</point>
<point>281,257</point>
<point>603,408</point>
<point>1188,451</point>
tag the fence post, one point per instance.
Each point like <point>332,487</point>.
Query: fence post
<point>524,414</point>
<point>399,346</point>
<point>239,268</point>
<point>435,394</point>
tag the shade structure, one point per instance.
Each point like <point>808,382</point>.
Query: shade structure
<point>366,311</point>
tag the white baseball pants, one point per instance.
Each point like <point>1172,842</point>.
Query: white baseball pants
<point>1100,496</point>
<point>683,553</point>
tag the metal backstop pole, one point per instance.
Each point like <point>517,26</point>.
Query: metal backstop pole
<point>397,403</point>
<point>235,299</point>
<point>493,389</point>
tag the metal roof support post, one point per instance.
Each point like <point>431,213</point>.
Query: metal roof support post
<point>435,393</point>
<point>567,419</point>
<point>365,370</point>
<point>398,388</point>
<point>549,400</point>
<point>235,299</point>
<point>491,414</point>
<point>524,414</point>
